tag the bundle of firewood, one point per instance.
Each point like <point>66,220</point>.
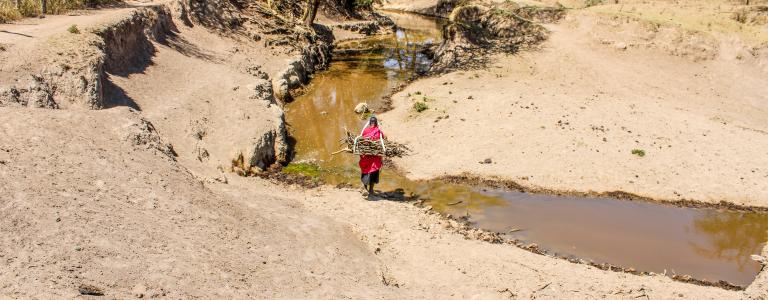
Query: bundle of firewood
<point>371,147</point>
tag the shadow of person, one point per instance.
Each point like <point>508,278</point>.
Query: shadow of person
<point>397,195</point>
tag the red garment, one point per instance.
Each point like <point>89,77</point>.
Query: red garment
<point>371,163</point>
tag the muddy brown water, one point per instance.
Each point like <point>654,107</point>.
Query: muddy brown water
<point>706,243</point>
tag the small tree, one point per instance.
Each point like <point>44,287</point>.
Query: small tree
<point>310,12</point>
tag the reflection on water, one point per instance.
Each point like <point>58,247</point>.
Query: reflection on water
<point>731,236</point>
<point>704,243</point>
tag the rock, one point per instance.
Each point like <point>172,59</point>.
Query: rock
<point>487,161</point>
<point>621,46</point>
<point>143,134</point>
<point>760,259</point>
<point>87,289</point>
<point>281,90</point>
<point>262,90</point>
<point>532,246</point>
<point>38,94</point>
<point>10,96</point>
<point>361,107</point>
<point>294,81</point>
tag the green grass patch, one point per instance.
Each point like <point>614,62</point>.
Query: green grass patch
<point>73,29</point>
<point>305,169</point>
<point>419,106</point>
<point>590,3</point>
<point>638,152</point>
<point>363,3</point>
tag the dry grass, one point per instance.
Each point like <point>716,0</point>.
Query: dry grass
<point>710,17</point>
<point>715,17</point>
<point>8,12</point>
<point>31,8</point>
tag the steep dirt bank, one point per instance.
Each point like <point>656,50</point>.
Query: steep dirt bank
<point>45,66</point>
<point>86,69</point>
<point>568,117</point>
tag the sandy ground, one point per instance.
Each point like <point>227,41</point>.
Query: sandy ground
<point>568,117</point>
<point>94,198</point>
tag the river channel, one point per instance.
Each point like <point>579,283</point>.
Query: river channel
<point>705,243</point>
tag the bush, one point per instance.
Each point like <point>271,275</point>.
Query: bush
<point>363,3</point>
<point>73,29</point>
<point>638,152</point>
<point>8,12</point>
<point>419,106</point>
<point>31,8</point>
<point>590,3</point>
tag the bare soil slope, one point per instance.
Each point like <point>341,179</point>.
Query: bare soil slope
<point>89,199</point>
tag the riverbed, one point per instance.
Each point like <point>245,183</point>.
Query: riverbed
<point>705,243</point>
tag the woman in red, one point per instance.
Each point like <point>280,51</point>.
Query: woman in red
<point>371,164</point>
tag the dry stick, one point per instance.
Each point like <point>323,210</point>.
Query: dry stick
<point>370,147</point>
<point>342,150</point>
<point>454,203</point>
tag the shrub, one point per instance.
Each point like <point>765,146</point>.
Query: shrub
<point>638,152</point>
<point>8,12</point>
<point>73,29</point>
<point>363,3</point>
<point>419,106</point>
<point>590,3</point>
<point>31,8</point>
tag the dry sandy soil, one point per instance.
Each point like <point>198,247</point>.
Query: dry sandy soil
<point>99,198</point>
<point>568,117</point>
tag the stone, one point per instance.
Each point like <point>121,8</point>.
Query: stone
<point>361,108</point>
<point>87,289</point>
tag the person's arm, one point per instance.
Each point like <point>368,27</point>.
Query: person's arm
<point>383,148</point>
